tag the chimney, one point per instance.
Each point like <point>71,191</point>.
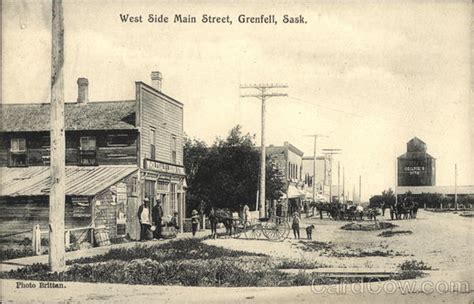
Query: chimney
<point>156,80</point>
<point>82,90</point>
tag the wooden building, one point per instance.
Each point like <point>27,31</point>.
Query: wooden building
<point>117,153</point>
<point>416,167</point>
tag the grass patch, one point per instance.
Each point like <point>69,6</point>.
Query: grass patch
<point>15,253</point>
<point>298,264</point>
<point>314,246</point>
<point>174,250</point>
<point>186,262</point>
<point>390,233</point>
<point>330,249</point>
<point>360,253</point>
<point>371,226</point>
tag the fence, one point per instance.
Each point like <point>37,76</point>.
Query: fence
<point>37,235</point>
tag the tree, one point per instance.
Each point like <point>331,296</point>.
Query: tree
<point>225,175</point>
<point>195,153</point>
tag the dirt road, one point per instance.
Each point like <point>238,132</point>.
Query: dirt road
<point>443,241</point>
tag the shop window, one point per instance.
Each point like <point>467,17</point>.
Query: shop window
<point>18,152</point>
<point>174,203</point>
<point>173,149</point>
<point>150,192</point>
<point>152,144</point>
<point>88,151</point>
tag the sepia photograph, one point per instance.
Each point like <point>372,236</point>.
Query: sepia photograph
<point>237,151</point>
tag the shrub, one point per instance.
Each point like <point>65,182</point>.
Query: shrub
<point>414,265</point>
<point>14,253</point>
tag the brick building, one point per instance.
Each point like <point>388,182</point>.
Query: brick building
<point>290,161</point>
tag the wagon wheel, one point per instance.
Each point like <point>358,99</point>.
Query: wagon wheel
<point>276,231</point>
<point>237,229</point>
<point>253,231</point>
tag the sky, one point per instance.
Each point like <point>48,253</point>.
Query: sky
<point>370,75</point>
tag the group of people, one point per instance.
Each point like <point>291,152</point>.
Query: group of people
<point>153,229</point>
<point>404,209</point>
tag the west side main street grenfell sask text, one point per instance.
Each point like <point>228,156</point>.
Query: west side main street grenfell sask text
<point>210,19</point>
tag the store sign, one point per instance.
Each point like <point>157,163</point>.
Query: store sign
<point>163,167</point>
<point>415,170</point>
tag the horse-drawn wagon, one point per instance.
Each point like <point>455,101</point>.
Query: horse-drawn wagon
<point>250,226</point>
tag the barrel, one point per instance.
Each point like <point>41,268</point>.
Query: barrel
<point>101,236</point>
<point>168,232</point>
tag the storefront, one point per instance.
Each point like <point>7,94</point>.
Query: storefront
<point>167,183</point>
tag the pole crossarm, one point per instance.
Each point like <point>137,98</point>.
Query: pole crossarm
<point>263,96</point>
<point>263,86</point>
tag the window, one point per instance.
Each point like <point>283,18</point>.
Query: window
<point>18,153</point>
<point>88,153</point>
<point>117,140</point>
<point>132,186</point>
<point>173,204</point>
<point>152,144</point>
<point>150,191</point>
<point>173,149</point>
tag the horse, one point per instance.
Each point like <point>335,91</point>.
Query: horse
<point>224,216</point>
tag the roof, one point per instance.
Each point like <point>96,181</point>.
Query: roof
<point>169,98</point>
<point>117,115</point>
<point>294,192</point>
<point>461,190</point>
<point>80,181</point>
<point>415,155</point>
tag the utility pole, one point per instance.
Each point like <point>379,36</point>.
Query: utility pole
<point>343,186</point>
<point>338,181</point>
<point>58,148</point>
<point>263,95</point>
<point>353,193</point>
<point>329,153</point>
<point>396,181</point>
<point>315,136</point>
<point>456,186</point>
<point>360,189</point>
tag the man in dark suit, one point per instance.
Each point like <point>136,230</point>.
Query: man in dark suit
<point>156,216</point>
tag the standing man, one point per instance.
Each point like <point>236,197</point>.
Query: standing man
<point>144,219</point>
<point>157,214</point>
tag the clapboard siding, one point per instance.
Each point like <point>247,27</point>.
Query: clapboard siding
<point>22,213</point>
<point>106,213</point>
<point>166,118</point>
<point>38,144</point>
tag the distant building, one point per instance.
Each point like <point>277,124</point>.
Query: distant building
<point>322,174</point>
<point>290,161</point>
<point>416,167</point>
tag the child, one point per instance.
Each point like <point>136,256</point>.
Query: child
<point>309,231</point>
<point>194,221</point>
<point>296,225</point>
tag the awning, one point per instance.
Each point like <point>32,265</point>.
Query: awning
<point>80,181</point>
<point>294,192</point>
